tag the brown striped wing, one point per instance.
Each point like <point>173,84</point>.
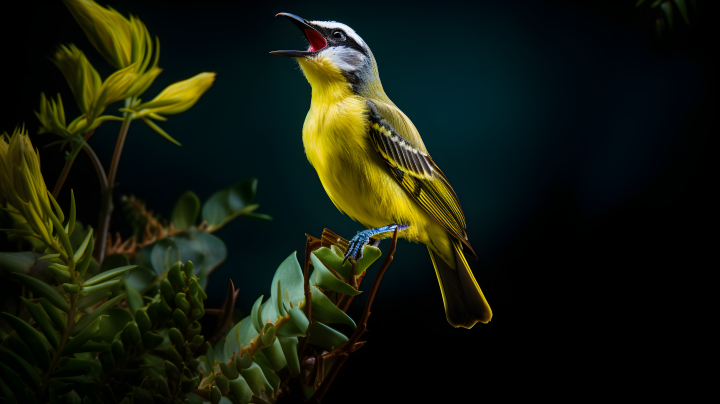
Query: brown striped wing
<point>419,176</point>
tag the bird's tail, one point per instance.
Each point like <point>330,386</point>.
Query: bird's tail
<point>464,302</point>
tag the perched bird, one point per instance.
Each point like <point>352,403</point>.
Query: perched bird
<point>374,165</point>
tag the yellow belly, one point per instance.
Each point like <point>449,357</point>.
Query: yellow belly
<point>337,144</point>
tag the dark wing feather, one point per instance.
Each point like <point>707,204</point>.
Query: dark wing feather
<point>419,175</point>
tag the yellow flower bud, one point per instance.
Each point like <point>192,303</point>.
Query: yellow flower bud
<point>178,97</point>
<point>22,185</point>
<point>109,32</point>
<point>83,79</point>
<point>122,42</point>
<point>115,88</point>
<point>52,116</point>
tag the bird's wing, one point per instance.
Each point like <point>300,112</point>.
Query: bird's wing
<point>419,175</point>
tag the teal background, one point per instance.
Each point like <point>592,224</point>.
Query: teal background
<point>579,152</point>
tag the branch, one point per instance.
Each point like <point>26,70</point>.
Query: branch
<point>106,205</point>
<point>66,169</point>
<point>226,314</point>
<point>311,244</point>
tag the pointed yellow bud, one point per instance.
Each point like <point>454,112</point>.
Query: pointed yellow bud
<point>178,97</point>
<point>115,88</point>
<point>22,188</point>
<point>83,79</point>
<point>109,32</point>
<point>52,116</point>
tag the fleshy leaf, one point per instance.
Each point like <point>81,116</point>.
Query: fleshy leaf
<point>89,318</point>
<point>289,276</point>
<point>297,325</point>
<point>327,281</point>
<point>255,314</point>
<point>324,310</point>
<point>115,321</point>
<point>40,288</point>
<point>326,337</point>
<point>107,275</point>
<point>256,380</point>
<point>289,347</point>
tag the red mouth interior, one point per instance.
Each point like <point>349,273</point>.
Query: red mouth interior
<point>316,40</point>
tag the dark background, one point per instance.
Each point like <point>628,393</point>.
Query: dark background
<point>578,145</point>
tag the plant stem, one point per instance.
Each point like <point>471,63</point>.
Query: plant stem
<point>106,205</point>
<point>66,170</point>
<point>308,300</point>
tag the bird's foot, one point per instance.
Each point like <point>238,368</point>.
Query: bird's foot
<point>357,243</point>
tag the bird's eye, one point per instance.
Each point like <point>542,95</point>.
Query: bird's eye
<point>338,35</point>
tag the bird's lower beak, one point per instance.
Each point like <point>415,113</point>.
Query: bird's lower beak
<point>317,41</point>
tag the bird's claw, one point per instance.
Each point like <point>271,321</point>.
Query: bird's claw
<point>362,238</point>
<point>355,246</point>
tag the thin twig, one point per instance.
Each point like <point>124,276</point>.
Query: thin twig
<point>320,393</point>
<point>227,313</point>
<point>106,205</point>
<point>98,166</point>
<point>66,170</point>
<point>308,300</point>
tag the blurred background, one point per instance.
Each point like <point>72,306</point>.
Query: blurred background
<point>577,139</point>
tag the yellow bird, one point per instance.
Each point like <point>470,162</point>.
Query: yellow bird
<point>374,166</point>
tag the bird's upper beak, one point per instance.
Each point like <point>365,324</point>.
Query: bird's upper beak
<point>317,41</point>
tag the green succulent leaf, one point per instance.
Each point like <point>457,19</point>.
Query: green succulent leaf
<point>272,378</point>
<point>83,247</point>
<point>289,347</point>
<point>240,390</point>
<point>43,321</point>
<point>55,314</point>
<point>239,336</point>
<point>20,262</point>
<point>87,290</point>
<point>14,382</point>
<point>107,275</point>
<point>8,394</point>
<point>297,326</point>
<point>275,356</point>
<point>324,310</point>
<point>32,338</point>
<point>41,288</point>
<point>10,357</point>
<point>327,281</point>
<point>93,298</point>
<point>325,337</point>
<point>288,276</point>
<point>89,318</point>
<point>256,380</point>
<point>186,211</point>
<point>331,258</point>
<point>115,321</point>
<point>255,315</point>
<point>87,260</point>
<point>79,340</point>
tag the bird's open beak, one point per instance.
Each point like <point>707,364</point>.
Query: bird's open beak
<point>317,41</point>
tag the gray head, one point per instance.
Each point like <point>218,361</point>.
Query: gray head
<point>336,52</point>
